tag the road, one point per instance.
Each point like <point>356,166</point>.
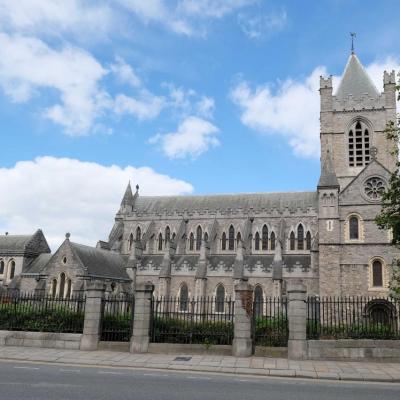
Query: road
<point>33,381</point>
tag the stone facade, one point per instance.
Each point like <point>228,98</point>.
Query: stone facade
<point>327,238</point>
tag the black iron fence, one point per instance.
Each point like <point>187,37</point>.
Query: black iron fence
<point>270,322</point>
<point>353,318</point>
<point>117,318</point>
<point>30,312</point>
<point>205,320</point>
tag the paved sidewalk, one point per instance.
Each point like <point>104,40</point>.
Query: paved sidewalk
<point>277,367</point>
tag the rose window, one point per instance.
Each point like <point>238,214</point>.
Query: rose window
<point>374,188</point>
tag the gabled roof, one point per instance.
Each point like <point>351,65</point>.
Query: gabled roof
<point>355,81</point>
<point>20,245</point>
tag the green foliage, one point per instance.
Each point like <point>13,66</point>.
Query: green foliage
<point>389,217</point>
<point>116,327</point>
<point>271,331</point>
<point>23,316</point>
<point>177,330</point>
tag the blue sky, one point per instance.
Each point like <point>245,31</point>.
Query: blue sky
<point>183,97</point>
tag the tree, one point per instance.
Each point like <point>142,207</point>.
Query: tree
<point>389,217</point>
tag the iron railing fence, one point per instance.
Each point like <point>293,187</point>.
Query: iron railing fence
<point>355,317</point>
<point>205,320</point>
<point>32,312</point>
<point>270,322</point>
<point>117,318</point>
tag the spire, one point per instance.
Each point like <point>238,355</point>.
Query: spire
<point>328,176</point>
<point>355,81</point>
<point>128,200</point>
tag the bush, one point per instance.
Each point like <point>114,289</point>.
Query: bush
<point>116,327</point>
<point>271,331</point>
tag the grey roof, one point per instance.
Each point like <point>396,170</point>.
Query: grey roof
<point>37,265</point>
<point>328,177</point>
<point>13,243</point>
<point>257,201</point>
<point>355,81</point>
<point>101,263</point>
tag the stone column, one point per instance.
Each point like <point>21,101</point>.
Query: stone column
<point>141,319</point>
<point>91,327</point>
<point>242,341</point>
<point>297,315</point>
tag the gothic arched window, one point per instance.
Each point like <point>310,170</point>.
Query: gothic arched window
<point>130,242</point>
<point>220,299</point>
<point>231,241</point>
<point>138,234</point>
<point>223,241</point>
<point>238,238</point>
<point>1,267</point>
<point>292,240</point>
<point>258,300</point>
<point>69,286</point>
<point>359,145</point>
<point>300,237</point>
<point>257,241</point>
<point>54,288</point>
<point>183,297</point>
<point>167,234</point>
<point>206,237</point>
<point>264,238</point>
<point>191,241</point>
<point>173,237</point>
<point>62,285</point>
<point>12,269</point>
<point>199,234</point>
<point>160,240</point>
<point>273,240</point>
<point>377,274</point>
<point>354,228</point>
<point>308,240</point>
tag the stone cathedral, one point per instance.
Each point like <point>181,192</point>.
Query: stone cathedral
<point>202,245</point>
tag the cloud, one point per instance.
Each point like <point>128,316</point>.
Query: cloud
<point>193,137</point>
<point>258,26</point>
<point>83,202</point>
<point>147,106</point>
<point>28,66</point>
<point>205,107</point>
<point>125,73</point>
<point>291,108</point>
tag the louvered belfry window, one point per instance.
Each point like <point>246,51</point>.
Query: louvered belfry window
<point>359,145</point>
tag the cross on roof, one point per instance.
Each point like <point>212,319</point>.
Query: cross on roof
<point>353,35</point>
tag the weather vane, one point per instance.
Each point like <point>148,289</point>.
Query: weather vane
<point>353,35</point>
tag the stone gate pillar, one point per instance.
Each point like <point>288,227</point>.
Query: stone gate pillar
<point>142,318</point>
<point>242,342</point>
<point>91,326</point>
<point>297,315</point>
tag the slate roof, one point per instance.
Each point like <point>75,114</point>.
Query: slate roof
<point>355,81</point>
<point>101,263</point>
<point>13,243</point>
<point>257,201</point>
<point>328,177</point>
<point>37,265</point>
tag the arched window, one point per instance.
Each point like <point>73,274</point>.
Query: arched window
<point>257,241</point>
<point>223,241</point>
<point>183,298</point>
<point>231,241</point>
<point>206,237</point>
<point>199,234</point>
<point>62,285</point>
<point>54,288</point>
<point>238,238</point>
<point>264,238</point>
<point>377,274</point>
<point>12,269</point>
<point>359,145</point>
<point>292,241</point>
<point>308,241</point>
<point>138,234</point>
<point>167,234</point>
<point>130,242</point>
<point>69,284</point>
<point>258,300</point>
<point>273,240</point>
<point>354,228</point>
<point>220,299</point>
<point>1,267</point>
<point>160,240</point>
<point>173,237</point>
<point>300,237</point>
<point>191,241</point>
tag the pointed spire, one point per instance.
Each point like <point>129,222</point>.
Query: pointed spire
<point>328,176</point>
<point>128,196</point>
<point>355,81</point>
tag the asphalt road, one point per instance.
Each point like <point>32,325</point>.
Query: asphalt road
<point>20,381</point>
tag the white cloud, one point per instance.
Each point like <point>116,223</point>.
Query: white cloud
<point>79,17</point>
<point>125,73</point>
<point>193,137</point>
<point>292,110</point>
<point>83,202</point>
<point>28,65</point>
<point>146,106</point>
<point>258,26</point>
<point>205,107</point>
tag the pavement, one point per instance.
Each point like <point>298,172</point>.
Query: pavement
<point>255,366</point>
